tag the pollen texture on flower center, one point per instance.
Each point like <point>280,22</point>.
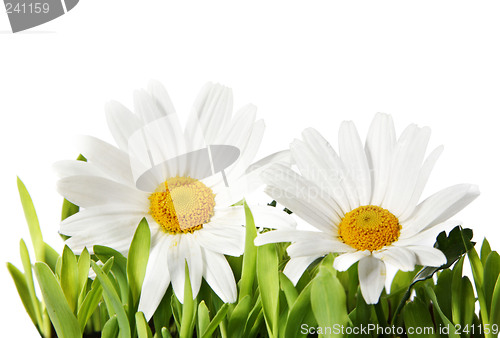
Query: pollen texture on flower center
<point>369,228</point>
<point>182,205</point>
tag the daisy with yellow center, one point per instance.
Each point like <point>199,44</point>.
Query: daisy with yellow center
<point>184,183</point>
<point>364,204</point>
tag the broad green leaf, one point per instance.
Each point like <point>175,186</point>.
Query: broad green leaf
<point>219,317</point>
<point>138,259</point>
<point>165,333</point>
<point>113,301</point>
<point>485,251</point>
<point>32,220</point>
<point>119,268</point>
<point>69,278</point>
<point>462,301</point>
<point>443,291</point>
<point>51,257</point>
<point>298,312</point>
<point>457,243</point>
<point>444,319</point>
<point>28,274</point>
<point>111,328</point>
<point>24,292</point>
<point>250,256</point>
<point>143,330</point>
<point>491,272</point>
<point>93,297</point>
<point>328,299</point>
<point>188,308</point>
<point>60,313</point>
<point>289,290</point>
<point>268,280</point>
<point>203,318</point>
<point>495,304</point>
<point>238,317</point>
<point>83,273</point>
<point>416,315</point>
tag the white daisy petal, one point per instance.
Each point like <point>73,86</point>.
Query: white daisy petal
<point>87,191</point>
<point>111,160</point>
<point>408,156</point>
<point>379,148</point>
<point>147,107</point>
<point>422,179</point>
<point>371,272</point>
<point>161,98</point>
<point>77,168</point>
<point>440,207</point>
<point>344,261</point>
<point>122,123</point>
<point>428,256</point>
<point>288,236</point>
<point>296,266</point>
<point>195,263</point>
<point>353,155</point>
<point>399,257</point>
<point>178,250</point>
<point>319,247</point>
<point>219,276</point>
<point>229,243</point>
<point>156,280</point>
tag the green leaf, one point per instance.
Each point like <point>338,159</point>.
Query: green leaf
<point>443,291</point>
<point>289,290</point>
<point>239,316</point>
<point>491,272</point>
<point>462,301</point>
<point>328,299</point>
<point>163,312</point>
<point>28,274</point>
<point>113,301</point>
<point>59,312</point>
<point>83,272</point>
<point>143,330</point>
<point>250,256</point>
<point>457,243</point>
<point>445,320</point>
<point>165,333</point>
<point>485,251</point>
<point>203,318</point>
<point>138,259</point>
<point>93,297</point>
<point>111,328</point>
<point>188,308</point>
<point>298,312</point>
<point>24,292</point>
<point>51,257</point>
<point>119,268</point>
<point>69,278</point>
<point>219,317</point>
<point>416,315</point>
<point>268,280</point>
<point>495,304</point>
<point>32,220</point>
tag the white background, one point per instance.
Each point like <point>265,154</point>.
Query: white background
<point>307,63</point>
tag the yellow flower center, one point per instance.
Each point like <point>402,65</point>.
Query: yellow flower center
<point>369,228</point>
<point>182,205</point>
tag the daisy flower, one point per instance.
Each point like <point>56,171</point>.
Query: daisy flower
<point>183,182</point>
<point>363,204</point>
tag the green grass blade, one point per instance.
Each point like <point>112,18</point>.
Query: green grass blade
<point>238,318</point>
<point>485,251</point>
<point>143,330</point>
<point>119,269</point>
<point>268,280</point>
<point>138,259</point>
<point>219,317</point>
<point>416,315</point>
<point>24,292</point>
<point>93,297</point>
<point>32,220</point>
<point>188,308</point>
<point>83,274</point>
<point>113,301</point>
<point>299,312</point>
<point>60,314</point>
<point>111,329</point>
<point>430,293</point>
<point>250,256</point>
<point>495,304</point>
<point>51,257</point>
<point>491,272</point>
<point>289,290</point>
<point>69,278</point>
<point>28,274</point>
<point>203,318</point>
<point>328,299</point>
